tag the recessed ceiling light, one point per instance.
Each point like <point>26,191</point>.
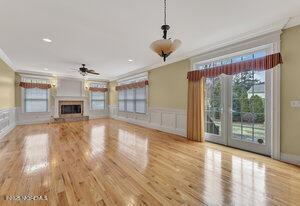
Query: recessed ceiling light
<point>130,60</point>
<point>47,40</point>
<point>46,69</point>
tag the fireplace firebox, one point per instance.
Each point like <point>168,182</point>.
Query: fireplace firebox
<point>70,109</point>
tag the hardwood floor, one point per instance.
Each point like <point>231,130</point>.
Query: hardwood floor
<point>108,162</point>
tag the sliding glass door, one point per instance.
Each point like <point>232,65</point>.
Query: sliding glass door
<point>238,108</point>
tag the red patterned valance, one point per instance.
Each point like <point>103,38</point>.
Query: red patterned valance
<point>97,89</point>
<point>132,85</point>
<point>259,64</point>
<point>29,85</point>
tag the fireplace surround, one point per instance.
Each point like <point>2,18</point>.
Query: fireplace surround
<point>70,108</point>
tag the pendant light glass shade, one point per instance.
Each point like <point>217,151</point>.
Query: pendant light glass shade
<point>165,46</point>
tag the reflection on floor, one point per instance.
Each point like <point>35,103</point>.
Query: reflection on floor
<point>108,162</point>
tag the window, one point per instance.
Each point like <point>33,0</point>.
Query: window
<point>133,100</point>
<point>35,99</point>
<point>98,98</point>
<point>231,60</point>
<point>122,100</point>
<point>141,100</point>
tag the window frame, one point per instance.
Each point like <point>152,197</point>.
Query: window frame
<point>23,97</point>
<point>95,100</point>
<point>98,85</point>
<point>134,101</point>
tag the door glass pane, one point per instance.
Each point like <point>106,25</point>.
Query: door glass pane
<point>248,106</point>
<point>213,105</point>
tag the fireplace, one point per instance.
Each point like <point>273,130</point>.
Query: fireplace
<point>70,108</point>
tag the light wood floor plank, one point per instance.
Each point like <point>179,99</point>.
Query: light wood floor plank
<point>109,162</point>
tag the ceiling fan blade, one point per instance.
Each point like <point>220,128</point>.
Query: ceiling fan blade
<point>92,72</point>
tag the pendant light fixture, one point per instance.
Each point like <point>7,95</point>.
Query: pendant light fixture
<point>164,47</point>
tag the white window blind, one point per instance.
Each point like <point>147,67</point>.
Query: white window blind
<point>98,100</point>
<point>133,100</point>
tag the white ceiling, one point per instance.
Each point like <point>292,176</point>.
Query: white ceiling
<point>104,34</point>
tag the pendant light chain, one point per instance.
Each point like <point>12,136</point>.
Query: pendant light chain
<point>165,11</point>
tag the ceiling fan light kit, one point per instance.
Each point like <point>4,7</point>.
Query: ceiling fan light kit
<point>164,47</point>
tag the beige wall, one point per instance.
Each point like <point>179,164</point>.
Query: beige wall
<point>290,90</point>
<point>112,93</point>
<point>18,91</point>
<point>7,86</point>
<point>168,85</point>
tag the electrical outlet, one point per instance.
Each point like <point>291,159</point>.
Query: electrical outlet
<point>295,103</point>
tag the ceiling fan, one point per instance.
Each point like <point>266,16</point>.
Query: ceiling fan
<point>85,71</point>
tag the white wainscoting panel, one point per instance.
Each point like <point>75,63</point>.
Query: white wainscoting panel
<point>33,117</point>
<point>163,119</point>
<point>168,119</point>
<point>113,111</point>
<point>7,121</point>
<point>155,118</point>
<point>94,114</point>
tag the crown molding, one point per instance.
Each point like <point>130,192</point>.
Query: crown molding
<point>26,72</point>
<point>46,74</point>
<point>7,60</point>
<point>276,26</point>
<point>293,21</point>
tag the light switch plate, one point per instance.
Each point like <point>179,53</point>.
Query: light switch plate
<point>295,103</point>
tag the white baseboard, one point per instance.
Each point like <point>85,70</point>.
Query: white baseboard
<point>7,121</point>
<point>290,158</point>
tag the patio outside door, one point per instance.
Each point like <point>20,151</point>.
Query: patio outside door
<point>237,109</point>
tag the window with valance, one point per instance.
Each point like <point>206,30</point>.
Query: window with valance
<point>35,94</point>
<point>132,95</point>
<point>98,93</point>
<point>230,98</point>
